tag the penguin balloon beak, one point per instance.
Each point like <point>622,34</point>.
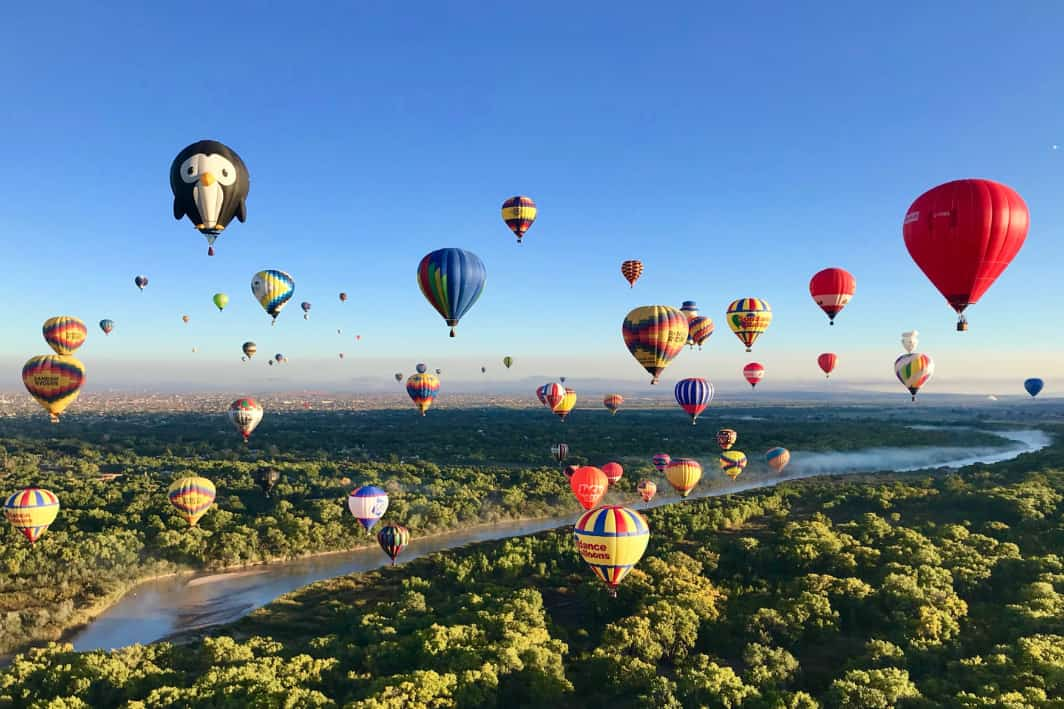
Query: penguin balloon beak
<point>206,179</point>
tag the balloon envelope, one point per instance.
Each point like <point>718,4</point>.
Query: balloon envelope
<point>273,289</point>
<point>827,362</point>
<point>614,471</point>
<point>655,334</point>
<point>748,318</point>
<point>393,538</point>
<point>732,463</point>
<point>519,213</point>
<point>832,289</point>
<point>32,511</point>
<point>220,300</point>
<point>913,371</point>
<point>963,235</point>
<point>245,415</point>
<point>661,461</point>
<point>589,484</point>
<point>560,451</point>
<point>192,496</point>
<point>647,489</point>
<point>631,270</point>
<point>612,540</point>
<point>693,395</point>
<point>54,381</point>
<point>452,281</point>
<point>210,183</point>
<point>910,340</point>
<point>613,402</point>
<point>107,326</point>
<point>422,389</point>
<point>1033,386</point>
<point>683,474</point>
<point>700,330</point>
<point>726,438</point>
<point>777,458</point>
<point>367,504</point>
<point>64,334</point>
<point>754,373</point>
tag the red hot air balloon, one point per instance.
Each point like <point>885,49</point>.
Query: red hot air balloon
<point>589,485</point>
<point>832,289</point>
<point>963,235</point>
<point>827,362</point>
<point>614,471</point>
<point>754,373</point>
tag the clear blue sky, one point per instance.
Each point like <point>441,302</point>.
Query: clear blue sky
<point>735,151</point>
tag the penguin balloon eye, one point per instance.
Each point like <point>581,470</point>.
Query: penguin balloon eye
<point>223,170</point>
<point>190,169</point>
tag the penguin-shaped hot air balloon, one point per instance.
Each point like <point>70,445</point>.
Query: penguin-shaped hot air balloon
<point>210,184</point>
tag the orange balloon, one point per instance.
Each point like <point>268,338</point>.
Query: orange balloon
<point>589,485</point>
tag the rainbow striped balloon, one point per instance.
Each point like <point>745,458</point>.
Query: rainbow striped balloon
<point>393,539</point>
<point>701,328</point>
<point>613,402</point>
<point>749,318</point>
<point>64,334</point>
<point>732,463</point>
<point>655,334</point>
<point>423,388</point>
<point>54,381</point>
<point>913,371</point>
<point>452,281</point>
<point>192,496</point>
<point>31,511</point>
<point>683,474</point>
<point>612,540</point>
<point>519,212</point>
<point>273,289</point>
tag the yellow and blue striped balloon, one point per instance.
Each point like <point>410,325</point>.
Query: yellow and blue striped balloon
<point>192,496</point>
<point>54,381</point>
<point>749,318</point>
<point>519,212</point>
<point>611,539</point>
<point>732,463</point>
<point>273,289</point>
<point>64,334</point>
<point>31,511</point>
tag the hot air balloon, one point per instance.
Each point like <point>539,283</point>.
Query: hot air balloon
<point>368,504</point>
<point>832,289</point>
<point>279,358</point>
<point>32,511</point>
<point>754,373</point>
<point>570,469</point>
<point>54,381</point>
<point>631,270</point>
<point>589,484</point>
<point>141,282</point>
<point>439,371</point>
<point>1033,386</point>
<point>249,349</point>
<point>553,394</point>
<point>683,474</point>
<point>560,451</point>
<point>749,318</point>
<point>910,340</point>
<point>614,471</point>
<point>107,326</point>
<point>655,334</point>
<point>267,478</point>
<point>421,367</point>
<point>507,361</point>
<point>451,280</point>
<point>690,309</point>
<point>341,355</point>
<point>565,406</point>
<point>700,330</point>
<point>661,461</point>
<point>393,538</point>
<point>192,496</point>
<point>613,402</point>
<point>245,414</point>
<point>647,489</point>
<point>693,395</point>
<point>185,319</point>
<point>220,301</point>
<point>398,376</point>
<point>483,370</point>
<point>913,371</point>
<point>726,438</point>
<point>519,213</point>
<point>963,235</point>
<point>777,458</point>
<point>210,184</point>
<point>273,289</point>
<point>343,297</point>
<point>732,463</point>
<point>541,394</point>
<point>306,309</point>
<point>422,389</point>
<point>827,362</point>
<point>561,379</point>
<point>64,334</point>
<point>611,539</point>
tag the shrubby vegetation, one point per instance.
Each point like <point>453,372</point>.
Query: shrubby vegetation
<point>907,591</point>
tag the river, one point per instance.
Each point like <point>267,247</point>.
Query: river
<point>161,608</point>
